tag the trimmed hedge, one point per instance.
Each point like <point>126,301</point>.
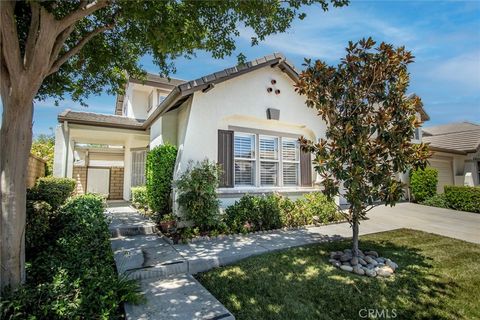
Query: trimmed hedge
<point>463,198</point>
<point>159,173</point>
<point>37,229</point>
<point>423,183</point>
<point>139,197</point>
<point>255,213</point>
<point>54,191</point>
<point>437,200</point>
<point>74,277</point>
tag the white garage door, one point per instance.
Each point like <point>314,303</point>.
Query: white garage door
<point>98,180</point>
<point>445,173</point>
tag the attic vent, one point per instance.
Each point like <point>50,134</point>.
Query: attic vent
<point>273,114</point>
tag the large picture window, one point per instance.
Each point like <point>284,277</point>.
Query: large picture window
<point>266,161</point>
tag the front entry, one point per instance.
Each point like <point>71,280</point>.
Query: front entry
<point>98,181</point>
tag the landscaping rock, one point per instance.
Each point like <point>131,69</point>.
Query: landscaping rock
<point>372,253</point>
<point>370,260</point>
<point>346,263</point>
<point>346,268</point>
<point>345,257</point>
<point>358,270</point>
<point>370,273</point>
<point>336,264</point>
<point>362,262</point>
<point>384,271</point>
<point>391,264</point>
<point>349,251</point>
<point>380,260</point>
<point>354,261</point>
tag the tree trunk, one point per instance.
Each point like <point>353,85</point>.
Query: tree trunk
<point>15,144</point>
<point>355,233</point>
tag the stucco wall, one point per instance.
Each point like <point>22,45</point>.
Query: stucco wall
<point>243,102</point>
<point>35,170</point>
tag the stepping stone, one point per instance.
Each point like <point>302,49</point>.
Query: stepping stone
<point>177,297</point>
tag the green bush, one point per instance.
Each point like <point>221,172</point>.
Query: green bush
<point>423,183</point>
<point>254,213</point>
<point>159,174</point>
<point>37,229</point>
<point>54,191</point>
<point>139,197</point>
<point>437,200</point>
<point>463,198</point>
<point>197,188</point>
<point>312,208</point>
<point>74,277</point>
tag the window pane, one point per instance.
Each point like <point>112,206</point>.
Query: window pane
<point>268,148</point>
<point>290,150</point>
<point>244,146</point>
<point>268,173</point>
<point>290,174</point>
<point>244,172</point>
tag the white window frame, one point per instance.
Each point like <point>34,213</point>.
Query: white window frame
<point>150,101</point>
<point>297,155</point>
<point>257,161</point>
<point>252,159</point>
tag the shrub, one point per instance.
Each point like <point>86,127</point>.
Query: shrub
<point>54,191</point>
<point>254,213</point>
<point>423,183</point>
<point>437,200</point>
<point>159,174</point>
<point>139,197</point>
<point>197,198</point>
<point>75,277</point>
<point>463,198</point>
<point>37,229</point>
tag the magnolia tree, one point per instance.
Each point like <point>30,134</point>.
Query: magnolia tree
<point>53,48</point>
<point>370,125</point>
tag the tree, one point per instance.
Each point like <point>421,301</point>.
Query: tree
<point>43,146</point>
<point>370,124</point>
<point>53,48</point>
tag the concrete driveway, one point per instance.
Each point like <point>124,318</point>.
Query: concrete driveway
<point>445,222</point>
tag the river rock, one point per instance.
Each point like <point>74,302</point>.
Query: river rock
<point>384,271</point>
<point>370,273</point>
<point>362,262</point>
<point>370,260</point>
<point>358,270</point>
<point>354,261</point>
<point>346,268</point>
<point>391,264</point>
<point>372,253</point>
<point>345,257</point>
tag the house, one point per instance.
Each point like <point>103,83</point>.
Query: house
<point>247,118</point>
<point>456,148</point>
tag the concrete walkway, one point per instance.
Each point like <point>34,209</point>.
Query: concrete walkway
<point>165,270</point>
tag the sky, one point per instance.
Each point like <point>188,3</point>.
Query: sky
<point>444,36</point>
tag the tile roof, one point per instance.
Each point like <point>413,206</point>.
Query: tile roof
<point>104,120</point>
<point>458,137</point>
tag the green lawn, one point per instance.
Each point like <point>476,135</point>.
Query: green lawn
<point>438,278</point>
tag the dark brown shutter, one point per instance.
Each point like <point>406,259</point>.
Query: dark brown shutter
<point>305,169</point>
<point>225,157</point>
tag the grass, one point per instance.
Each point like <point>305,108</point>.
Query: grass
<point>438,278</point>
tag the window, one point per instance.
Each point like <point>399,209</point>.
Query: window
<point>263,160</point>
<point>244,153</point>
<point>138,168</point>
<point>291,161</point>
<point>160,96</point>
<point>268,161</point>
<point>150,101</point>
<point>416,135</point>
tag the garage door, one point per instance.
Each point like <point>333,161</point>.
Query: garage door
<point>445,173</point>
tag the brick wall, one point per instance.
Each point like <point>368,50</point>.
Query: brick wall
<point>116,183</point>
<point>80,176</point>
<point>35,170</point>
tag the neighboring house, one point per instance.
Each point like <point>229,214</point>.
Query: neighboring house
<point>247,118</point>
<point>456,148</point>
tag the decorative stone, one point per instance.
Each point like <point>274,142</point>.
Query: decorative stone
<point>370,273</point>
<point>370,260</point>
<point>332,260</point>
<point>348,251</point>
<point>354,261</point>
<point>362,262</point>
<point>346,268</point>
<point>391,264</point>
<point>336,264</point>
<point>335,255</point>
<point>358,270</point>
<point>384,271</point>
<point>380,260</point>
<point>372,253</point>
<point>346,263</point>
<point>345,257</point>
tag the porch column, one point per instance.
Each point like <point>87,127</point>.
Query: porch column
<point>127,171</point>
<point>63,156</point>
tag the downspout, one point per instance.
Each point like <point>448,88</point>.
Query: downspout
<point>66,134</point>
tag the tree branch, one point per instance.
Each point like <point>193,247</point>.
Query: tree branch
<point>60,41</point>
<point>32,34</point>
<point>10,45</point>
<point>84,10</point>
<point>60,61</point>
